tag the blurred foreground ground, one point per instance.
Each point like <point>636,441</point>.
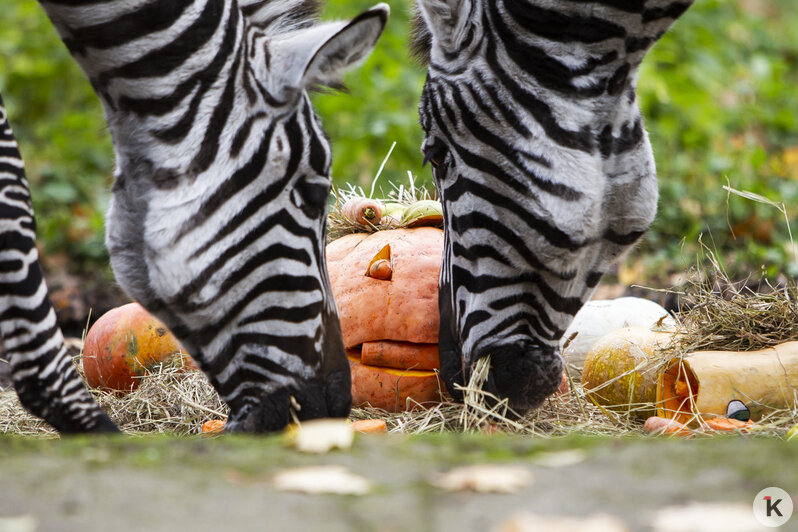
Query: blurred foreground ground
<point>160,483</point>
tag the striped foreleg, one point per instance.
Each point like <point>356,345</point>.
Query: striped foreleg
<point>43,374</point>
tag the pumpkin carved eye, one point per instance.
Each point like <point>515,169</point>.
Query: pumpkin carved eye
<point>381,266</point>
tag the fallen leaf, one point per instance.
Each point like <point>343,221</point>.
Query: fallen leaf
<point>705,517</point>
<point>317,480</point>
<point>322,435</point>
<point>484,479</point>
<point>239,478</point>
<point>22,523</point>
<point>529,522</point>
<point>561,458</point>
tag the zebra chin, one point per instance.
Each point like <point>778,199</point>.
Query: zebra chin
<point>523,372</point>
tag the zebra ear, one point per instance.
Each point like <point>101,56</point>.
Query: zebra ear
<point>319,55</point>
<point>447,20</point>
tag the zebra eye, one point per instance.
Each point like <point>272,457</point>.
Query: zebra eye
<point>311,198</point>
<point>435,153</point>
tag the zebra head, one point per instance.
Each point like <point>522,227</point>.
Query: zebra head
<point>544,169</point>
<point>217,221</point>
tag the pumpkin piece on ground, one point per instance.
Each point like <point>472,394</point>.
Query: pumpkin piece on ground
<point>370,426</point>
<point>400,355</point>
<point>725,424</point>
<point>388,389</point>
<point>659,425</point>
<point>213,427</point>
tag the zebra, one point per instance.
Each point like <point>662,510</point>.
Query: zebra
<point>545,171</point>
<point>42,371</point>
<point>217,219</point>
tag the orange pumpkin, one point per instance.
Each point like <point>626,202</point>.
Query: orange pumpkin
<point>389,322</point>
<point>123,344</point>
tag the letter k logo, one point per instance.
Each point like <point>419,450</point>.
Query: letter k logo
<point>772,506</point>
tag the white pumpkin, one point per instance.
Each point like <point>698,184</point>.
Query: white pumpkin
<point>602,316</point>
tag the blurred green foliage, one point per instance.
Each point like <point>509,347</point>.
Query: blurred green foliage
<point>718,92</point>
<point>719,95</point>
<point>62,134</point>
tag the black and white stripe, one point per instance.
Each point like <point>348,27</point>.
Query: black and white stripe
<point>43,374</point>
<point>543,165</point>
<point>218,214</point>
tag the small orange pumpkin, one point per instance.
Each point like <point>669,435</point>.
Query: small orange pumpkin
<point>123,344</point>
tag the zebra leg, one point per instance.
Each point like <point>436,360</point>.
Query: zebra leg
<point>42,372</point>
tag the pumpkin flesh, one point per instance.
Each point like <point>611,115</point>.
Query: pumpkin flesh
<point>389,389</point>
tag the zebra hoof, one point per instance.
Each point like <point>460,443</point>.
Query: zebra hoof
<point>523,374</point>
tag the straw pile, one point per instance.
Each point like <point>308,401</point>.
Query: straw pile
<point>722,315</point>
<point>169,400</point>
<point>338,224</point>
<point>178,402</point>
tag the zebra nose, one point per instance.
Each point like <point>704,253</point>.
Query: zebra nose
<point>524,373</point>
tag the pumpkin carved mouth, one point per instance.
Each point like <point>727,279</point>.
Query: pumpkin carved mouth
<point>400,355</point>
<point>377,381</point>
<point>386,287</point>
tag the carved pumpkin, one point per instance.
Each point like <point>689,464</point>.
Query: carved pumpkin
<point>386,288</point>
<point>123,345</point>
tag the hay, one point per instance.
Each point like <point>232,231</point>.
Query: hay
<point>482,411</point>
<point>722,315</point>
<point>339,225</point>
<point>169,400</point>
<point>178,402</point>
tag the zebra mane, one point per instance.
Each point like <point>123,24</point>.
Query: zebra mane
<point>420,40</point>
<point>276,17</point>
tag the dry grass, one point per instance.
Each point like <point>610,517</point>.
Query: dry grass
<point>482,411</point>
<point>171,400</point>
<point>339,225</point>
<point>726,316</point>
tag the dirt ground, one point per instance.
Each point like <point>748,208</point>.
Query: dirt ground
<point>166,483</point>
